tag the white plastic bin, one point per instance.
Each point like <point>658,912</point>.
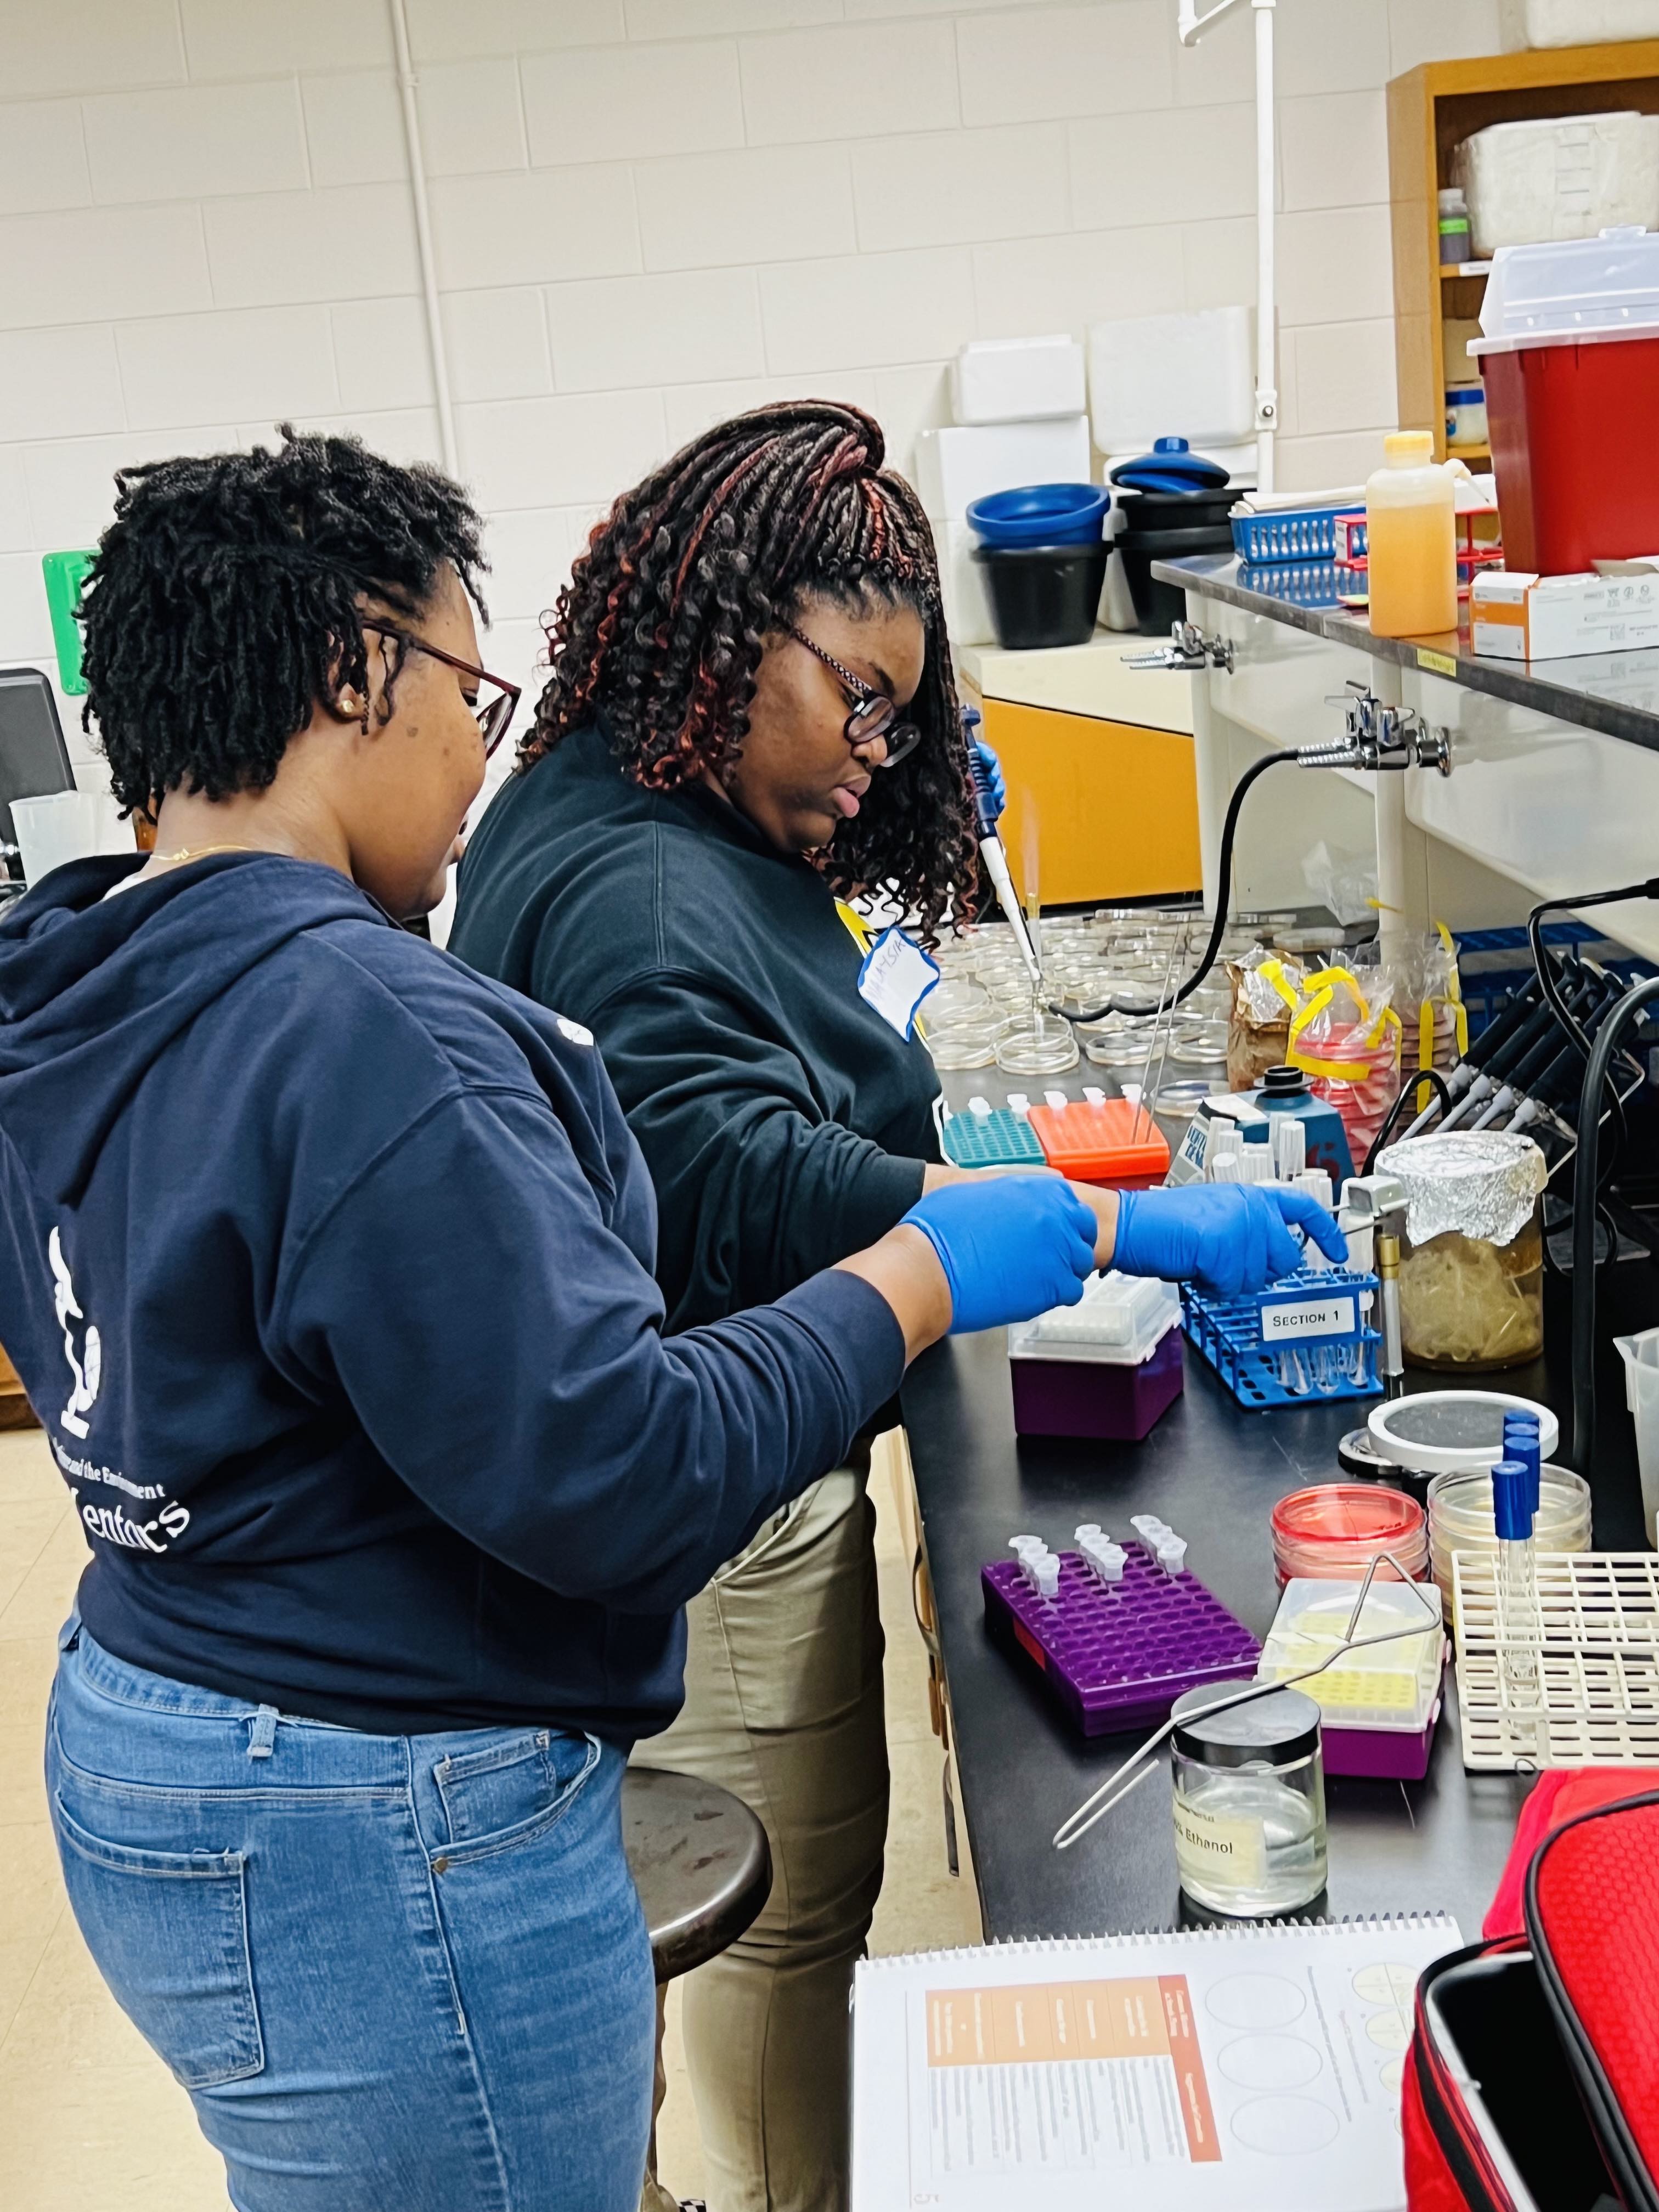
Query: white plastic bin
<point>1576,23</point>
<point>1564,177</point>
<point>1641,1357</point>
<point>1017,380</point>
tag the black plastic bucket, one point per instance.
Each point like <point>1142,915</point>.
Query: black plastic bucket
<point>1044,595</point>
<point>1157,605</point>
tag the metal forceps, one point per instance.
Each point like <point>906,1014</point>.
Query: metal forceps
<point>1135,1769</point>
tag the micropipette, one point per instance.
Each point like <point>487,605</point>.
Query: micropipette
<point>991,850</point>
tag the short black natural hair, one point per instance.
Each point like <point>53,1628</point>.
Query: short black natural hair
<point>661,629</point>
<point>223,601</point>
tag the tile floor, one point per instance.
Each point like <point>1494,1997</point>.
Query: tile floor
<point>90,2121</point>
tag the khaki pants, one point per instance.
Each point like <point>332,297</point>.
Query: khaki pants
<point>783,1707</point>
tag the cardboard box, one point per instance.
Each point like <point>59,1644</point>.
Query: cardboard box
<point>1517,616</point>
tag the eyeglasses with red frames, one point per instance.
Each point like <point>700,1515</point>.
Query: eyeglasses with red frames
<point>493,717</point>
<point>873,716</point>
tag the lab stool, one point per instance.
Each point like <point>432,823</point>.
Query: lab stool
<point>700,1861</point>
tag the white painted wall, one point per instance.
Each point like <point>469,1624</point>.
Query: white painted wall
<point>649,213</point>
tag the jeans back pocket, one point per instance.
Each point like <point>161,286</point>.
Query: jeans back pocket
<point>169,1930</point>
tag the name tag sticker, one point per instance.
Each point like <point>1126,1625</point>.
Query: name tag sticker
<point>896,977</point>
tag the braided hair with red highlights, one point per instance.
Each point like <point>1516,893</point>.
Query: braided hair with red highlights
<point>662,626</point>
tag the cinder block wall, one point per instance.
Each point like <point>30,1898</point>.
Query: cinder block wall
<point>649,213</point>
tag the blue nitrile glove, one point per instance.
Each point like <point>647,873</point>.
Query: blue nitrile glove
<point>1226,1237</point>
<point>993,767</point>
<point>1012,1247</point>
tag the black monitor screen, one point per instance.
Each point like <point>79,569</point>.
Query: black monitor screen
<point>33,758</point>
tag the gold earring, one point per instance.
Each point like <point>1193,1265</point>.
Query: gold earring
<point>349,704</point>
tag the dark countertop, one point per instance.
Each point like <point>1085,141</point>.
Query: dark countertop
<point>1214,1472</point>
<point>1615,693</point>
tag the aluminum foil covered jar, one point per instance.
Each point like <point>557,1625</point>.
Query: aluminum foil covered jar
<point>1472,1260</point>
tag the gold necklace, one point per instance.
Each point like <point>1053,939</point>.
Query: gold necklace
<point>198,853</point>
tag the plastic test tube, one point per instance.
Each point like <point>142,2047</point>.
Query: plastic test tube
<point>1172,1554</point>
<point>1056,1098</point>
<point>1289,1143</point>
<point>1018,1104</point>
<point>981,1107</point>
<point>1522,1441</point>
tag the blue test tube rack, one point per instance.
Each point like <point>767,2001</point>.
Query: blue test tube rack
<point>1002,1139</point>
<point>1305,1338</point>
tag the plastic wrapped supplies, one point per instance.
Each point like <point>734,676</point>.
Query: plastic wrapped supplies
<point>1471,1261</point>
<point>1343,1035</point>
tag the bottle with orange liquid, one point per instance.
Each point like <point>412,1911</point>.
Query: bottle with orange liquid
<point>1411,531</point>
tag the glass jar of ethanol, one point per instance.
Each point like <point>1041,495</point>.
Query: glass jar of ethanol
<point>1250,1801</point>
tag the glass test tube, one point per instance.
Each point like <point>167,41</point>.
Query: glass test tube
<point>1517,1610</point>
<point>1522,1441</point>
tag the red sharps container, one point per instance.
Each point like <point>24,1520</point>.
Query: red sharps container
<point>1570,356</point>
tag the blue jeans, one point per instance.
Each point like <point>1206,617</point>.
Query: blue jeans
<point>407,1973</point>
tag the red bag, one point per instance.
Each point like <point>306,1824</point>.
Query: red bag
<point>1531,2084</point>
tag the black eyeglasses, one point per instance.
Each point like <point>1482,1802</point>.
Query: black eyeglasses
<point>874,715</point>
<point>493,719</point>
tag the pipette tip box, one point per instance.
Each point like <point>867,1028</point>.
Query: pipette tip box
<point>1104,1141</point>
<point>1107,1368</point>
<point>997,1139</point>
<point>1117,1656</point>
<point>1380,1704</point>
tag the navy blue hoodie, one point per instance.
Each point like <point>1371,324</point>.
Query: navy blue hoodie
<point>326,1262</point>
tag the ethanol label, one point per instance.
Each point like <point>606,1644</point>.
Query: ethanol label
<point>1308,1317</point>
<point>1216,1851</point>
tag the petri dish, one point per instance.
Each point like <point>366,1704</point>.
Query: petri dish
<point>954,1002</point>
<point>961,1048</point>
<point>1127,1049</point>
<point>1204,1043</point>
<point>1332,1531</point>
<point>1036,1044</point>
<point>1174,1108</point>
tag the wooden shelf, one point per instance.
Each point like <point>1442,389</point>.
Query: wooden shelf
<point>1431,110</point>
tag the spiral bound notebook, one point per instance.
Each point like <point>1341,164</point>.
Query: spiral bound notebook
<point>1234,2070</point>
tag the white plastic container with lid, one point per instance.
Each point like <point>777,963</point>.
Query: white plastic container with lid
<point>1393,1686</point>
<point>1576,22</point>
<point>1565,177</point>
<point>1119,1320</point>
<point>1017,380</point>
<point>962,462</point>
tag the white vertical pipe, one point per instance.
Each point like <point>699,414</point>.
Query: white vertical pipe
<point>1267,384</point>
<point>417,193</point>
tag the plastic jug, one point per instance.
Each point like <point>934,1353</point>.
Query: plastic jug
<point>1410,532</point>
<point>1641,1357</point>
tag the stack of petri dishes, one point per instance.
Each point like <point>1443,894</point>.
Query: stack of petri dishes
<point>1461,1517</point>
<point>1331,1532</point>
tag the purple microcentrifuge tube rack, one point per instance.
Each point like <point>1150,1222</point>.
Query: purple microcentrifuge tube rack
<point>1117,1655</point>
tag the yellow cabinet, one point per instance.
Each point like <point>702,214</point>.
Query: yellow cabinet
<point>1113,807</point>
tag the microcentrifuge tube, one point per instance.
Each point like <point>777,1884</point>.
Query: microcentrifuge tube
<point>1172,1554</point>
<point>1093,1095</point>
<point>1290,1138</point>
<point>1054,1098</point>
<point>1045,1576</point>
<point>1086,1528</point>
<point>1018,1104</point>
<point>982,1107</point>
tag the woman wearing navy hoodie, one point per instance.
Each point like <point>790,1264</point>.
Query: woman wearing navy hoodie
<point>327,1264</point>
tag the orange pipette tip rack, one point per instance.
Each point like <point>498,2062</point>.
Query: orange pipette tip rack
<point>1113,1142</point>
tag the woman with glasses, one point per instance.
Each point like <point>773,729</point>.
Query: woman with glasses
<point>327,1265</point>
<point>751,714</point>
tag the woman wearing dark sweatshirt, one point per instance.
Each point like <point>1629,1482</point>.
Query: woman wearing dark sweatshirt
<point>750,711</point>
<point>327,1265</point>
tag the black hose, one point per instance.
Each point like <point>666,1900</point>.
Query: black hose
<point>1223,892</point>
<point>1583,1217</point>
<point>1423,1075</point>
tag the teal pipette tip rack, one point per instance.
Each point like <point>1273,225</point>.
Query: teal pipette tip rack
<point>997,1139</point>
